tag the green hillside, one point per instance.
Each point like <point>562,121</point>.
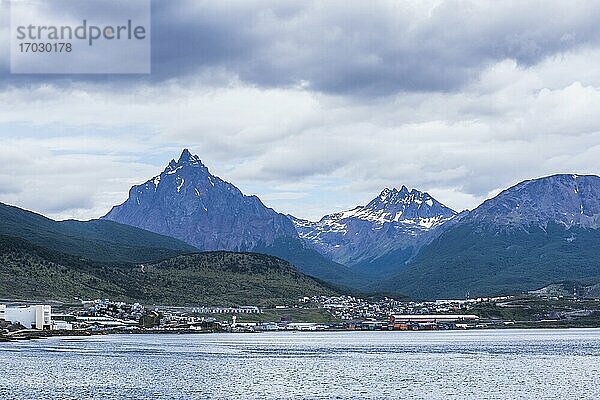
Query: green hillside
<point>96,239</point>
<point>28,271</point>
<point>471,259</point>
<point>312,263</point>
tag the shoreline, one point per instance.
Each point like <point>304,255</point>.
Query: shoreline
<point>26,336</point>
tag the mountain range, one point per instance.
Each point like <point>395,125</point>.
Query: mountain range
<point>536,233</point>
<point>44,259</point>
<point>188,203</point>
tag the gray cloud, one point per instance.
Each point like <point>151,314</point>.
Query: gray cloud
<point>316,106</point>
<point>358,48</point>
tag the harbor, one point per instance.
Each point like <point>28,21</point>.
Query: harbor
<point>26,320</point>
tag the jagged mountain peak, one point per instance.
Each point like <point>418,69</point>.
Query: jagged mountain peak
<point>402,195</point>
<point>389,194</point>
<point>395,219</point>
<point>394,194</point>
<point>188,158</point>
<point>185,155</point>
<point>405,204</point>
<point>189,203</point>
<point>393,205</point>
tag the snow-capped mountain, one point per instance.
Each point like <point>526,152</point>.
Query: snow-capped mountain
<point>395,221</point>
<point>187,202</point>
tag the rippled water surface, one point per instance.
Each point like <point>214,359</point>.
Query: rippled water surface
<point>507,364</point>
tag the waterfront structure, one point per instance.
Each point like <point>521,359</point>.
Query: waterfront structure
<point>34,317</point>
<point>432,318</point>
<point>105,322</point>
<point>227,310</point>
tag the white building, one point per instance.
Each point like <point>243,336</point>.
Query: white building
<point>35,317</point>
<point>227,310</point>
<point>62,326</point>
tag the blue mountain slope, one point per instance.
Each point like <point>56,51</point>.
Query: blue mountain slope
<point>533,234</point>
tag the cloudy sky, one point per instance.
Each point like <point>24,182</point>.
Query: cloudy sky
<point>316,106</point>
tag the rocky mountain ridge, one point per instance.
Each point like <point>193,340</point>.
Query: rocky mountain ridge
<point>187,202</point>
<point>394,220</point>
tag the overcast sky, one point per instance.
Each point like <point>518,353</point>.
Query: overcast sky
<point>316,106</point>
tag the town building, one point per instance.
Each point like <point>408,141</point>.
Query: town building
<point>34,317</point>
<point>61,326</point>
<point>227,310</point>
<point>426,318</point>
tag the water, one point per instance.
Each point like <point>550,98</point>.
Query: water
<point>506,364</point>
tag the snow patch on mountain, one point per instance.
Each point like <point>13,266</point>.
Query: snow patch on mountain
<point>396,219</point>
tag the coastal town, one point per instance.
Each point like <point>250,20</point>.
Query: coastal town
<point>317,313</point>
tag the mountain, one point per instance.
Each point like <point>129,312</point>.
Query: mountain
<point>568,200</point>
<point>187,202</point>
<point>381,236</point>
<point>96,239</point>
<point>533,234</point>
<point>214,278</point>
